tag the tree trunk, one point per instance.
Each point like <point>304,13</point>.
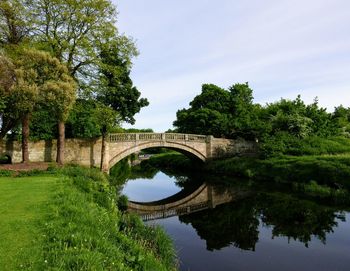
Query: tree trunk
<point>25,138</point>
<point>60,143</point>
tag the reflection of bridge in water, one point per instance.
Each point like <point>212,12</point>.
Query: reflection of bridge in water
<point>186,201</point>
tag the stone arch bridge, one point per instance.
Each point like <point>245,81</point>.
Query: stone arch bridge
<point>87,152</point>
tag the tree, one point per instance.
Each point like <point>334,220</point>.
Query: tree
<point>208,113</point>
<point>16,21</point>
<point>116,87</point>
<point>220,112</point>
<point>82,122</point>
<point>60,94</point>
<point>108,119</point>
<point>40,78</point>
<point>82,35</point>
<point>75,31</point>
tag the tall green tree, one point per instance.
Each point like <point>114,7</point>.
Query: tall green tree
<point>220,112</point>
<point>77,33</point>
<point>116,88</point>
<point>40,78</point>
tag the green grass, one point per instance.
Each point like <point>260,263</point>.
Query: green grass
<point>71,222</point>
<point>23,204</point>
<point>285,144</point>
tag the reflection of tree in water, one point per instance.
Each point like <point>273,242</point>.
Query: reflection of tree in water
<point>233,223</point>
<point>297,219</point>
<point>237,223</point>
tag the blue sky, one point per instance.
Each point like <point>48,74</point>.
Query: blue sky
<point>281,47</point>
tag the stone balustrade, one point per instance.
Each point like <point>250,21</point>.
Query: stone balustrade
<point>123,137</point>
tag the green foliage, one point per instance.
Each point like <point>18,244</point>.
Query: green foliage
<point>73,30</point>
<point>43,125</point>
<point>284,143</point>
<point>172,160</point>
<point>90,119</point>
<point>81,122</point>
<point>298,119</point>
<point>282,127</point>
<point>341,117</point>
<point>16,21</point>
<point>222,113</point>
<point>116,88</point>
<point>83,36</point>
<point>40,79</point>
<point>106,117</point>
<point>333,170</point>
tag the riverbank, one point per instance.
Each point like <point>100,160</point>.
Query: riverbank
<point>317,175</point>
<point>270,222</point>
<point>74,224</point>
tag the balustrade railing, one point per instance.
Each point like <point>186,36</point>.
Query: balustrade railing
<point>173,212</point>
<point>155,137</point>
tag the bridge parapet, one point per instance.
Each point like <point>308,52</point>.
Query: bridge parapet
<point>122,137</point>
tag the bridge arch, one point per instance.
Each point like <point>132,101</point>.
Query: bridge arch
<point>171,145</point>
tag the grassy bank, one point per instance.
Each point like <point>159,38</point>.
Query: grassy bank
<point>80,227</point>
<point>331,170</point>
<point>285,144</point>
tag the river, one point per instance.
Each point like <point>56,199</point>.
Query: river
<point>236,227</point>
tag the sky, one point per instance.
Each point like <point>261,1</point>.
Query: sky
<point>282,48</point>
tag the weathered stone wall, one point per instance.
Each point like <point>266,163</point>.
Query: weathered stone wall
<point>221,147</point>
<point>80,151</point>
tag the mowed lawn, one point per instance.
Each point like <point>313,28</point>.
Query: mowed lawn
<point>23,208</point>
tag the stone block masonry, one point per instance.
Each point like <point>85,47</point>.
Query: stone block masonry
<point>87,152</point>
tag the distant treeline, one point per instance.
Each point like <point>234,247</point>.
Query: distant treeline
<point>278,126</point>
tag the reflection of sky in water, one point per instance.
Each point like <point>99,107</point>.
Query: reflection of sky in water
<point>144,190</point>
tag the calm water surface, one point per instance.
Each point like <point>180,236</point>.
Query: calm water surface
<point>265,231</point>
